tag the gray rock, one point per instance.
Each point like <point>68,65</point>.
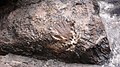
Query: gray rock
<point>11,60</point>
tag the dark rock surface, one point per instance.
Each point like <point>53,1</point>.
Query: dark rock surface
<point>69,30</point>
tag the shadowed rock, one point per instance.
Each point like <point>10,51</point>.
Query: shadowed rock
<point>69,31</point>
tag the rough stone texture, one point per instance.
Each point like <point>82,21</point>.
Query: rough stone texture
<point>110,14</point>
<point>11,60</point>
<point>67,30</point>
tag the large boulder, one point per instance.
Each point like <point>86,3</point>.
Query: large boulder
<point>67,30</point>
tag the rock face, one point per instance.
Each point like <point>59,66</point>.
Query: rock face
<point>67,30</point>
<point>110,14</point>
<point>11,60</point>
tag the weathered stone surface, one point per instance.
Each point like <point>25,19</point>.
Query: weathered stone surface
<point>11,60</point>
<point>110,14</point>
<point>69,30</point>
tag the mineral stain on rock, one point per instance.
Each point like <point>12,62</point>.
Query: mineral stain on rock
<point>63,30</point>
